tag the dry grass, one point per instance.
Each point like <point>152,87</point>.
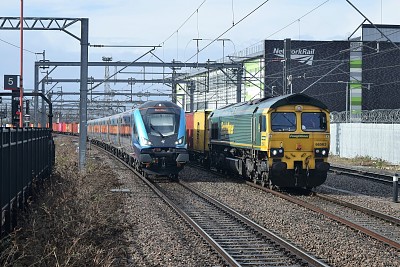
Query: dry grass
<point>363,161</point>
<point>73,220</point>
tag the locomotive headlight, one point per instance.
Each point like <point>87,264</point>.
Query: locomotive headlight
<point>277,152</point>
<point>179,141</point>
<point>145,141</point>
<point>321,152</point>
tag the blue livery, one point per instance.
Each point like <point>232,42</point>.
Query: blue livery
<point>151,137</point>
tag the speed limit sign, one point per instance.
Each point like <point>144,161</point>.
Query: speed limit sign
<point>11,82</point>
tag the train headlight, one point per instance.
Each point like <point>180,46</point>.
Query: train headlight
<point>321,152</point>
<point>145,141</point>
<point>179,141</point>
<point>277,152</point>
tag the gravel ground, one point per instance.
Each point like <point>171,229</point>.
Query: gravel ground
<point>148,233</point>
<point>156,235</point>
<point>326,239</point>
<point>375,196</point>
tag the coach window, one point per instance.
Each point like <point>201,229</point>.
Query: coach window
<point>283,122</point>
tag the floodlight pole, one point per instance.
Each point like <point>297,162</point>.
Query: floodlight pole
<point>21,86</point>
<point>83,93</point>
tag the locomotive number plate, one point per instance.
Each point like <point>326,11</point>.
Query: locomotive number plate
<point>320,144</point>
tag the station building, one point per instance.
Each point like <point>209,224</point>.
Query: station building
<point>361,73</point>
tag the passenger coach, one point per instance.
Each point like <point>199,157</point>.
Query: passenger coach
<point>150,137</point>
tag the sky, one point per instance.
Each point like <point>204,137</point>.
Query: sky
<point>174,25</point>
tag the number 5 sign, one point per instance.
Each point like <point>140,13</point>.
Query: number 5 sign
<point>11,82</point>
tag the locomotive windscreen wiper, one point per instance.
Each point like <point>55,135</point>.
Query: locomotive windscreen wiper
<point>157,131</point>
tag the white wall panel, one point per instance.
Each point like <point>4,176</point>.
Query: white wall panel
<point>378,141</point>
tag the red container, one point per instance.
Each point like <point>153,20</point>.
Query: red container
<point>63,127</point>
<point>189,130</point>
<point>75,128</point>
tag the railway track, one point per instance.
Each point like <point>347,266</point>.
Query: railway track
<point>238,240</point>
<point>244,242</point>
<point>374,176</point>
<point>377,225</point>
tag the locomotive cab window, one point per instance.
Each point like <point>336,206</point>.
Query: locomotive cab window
<point>161,124</point>
<point>283,122</point>
<point>313,122</point>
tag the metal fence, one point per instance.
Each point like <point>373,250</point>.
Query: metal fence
<point>26,157</point>
<point>368,116</point>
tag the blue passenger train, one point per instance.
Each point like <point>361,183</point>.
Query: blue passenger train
<point>151,137</point>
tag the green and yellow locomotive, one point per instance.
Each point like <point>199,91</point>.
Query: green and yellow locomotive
<point>282,141</point>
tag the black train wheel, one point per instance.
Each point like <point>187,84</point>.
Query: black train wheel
<point>264,179</point>
<point>270,185</point>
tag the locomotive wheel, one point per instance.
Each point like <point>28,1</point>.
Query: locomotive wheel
<point>174,177</point>
<point>264,179</point>
<point>270,185</point>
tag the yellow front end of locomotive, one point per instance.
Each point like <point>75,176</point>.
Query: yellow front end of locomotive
<point>290,138</point>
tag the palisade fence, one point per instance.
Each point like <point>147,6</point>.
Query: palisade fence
<point>26,159</point>
<point>374,134</point>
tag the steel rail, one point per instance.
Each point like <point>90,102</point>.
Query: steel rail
<point>225,256</point>
<point>378,177</point>
<point>330,216</point>
<point>221,251</point>
<point>281,242</point>
<point>376,214</point>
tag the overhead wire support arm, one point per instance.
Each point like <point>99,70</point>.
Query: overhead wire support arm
<point>36,23</point>
<point>384,35</point>
<point>97,85</point>
<point>136,46</point>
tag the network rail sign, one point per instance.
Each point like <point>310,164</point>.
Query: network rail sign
<point>305,56</point>
<point>315,68</point>
<point>11,82</point>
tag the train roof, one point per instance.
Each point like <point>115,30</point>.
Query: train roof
<point>160,103</point>
<point>292,99</point>
<point>270,102</point>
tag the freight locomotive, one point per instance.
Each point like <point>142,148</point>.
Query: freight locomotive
<point>277,141</point>
<point>150,137</point>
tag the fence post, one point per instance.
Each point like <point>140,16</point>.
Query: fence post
<point>395,187</point>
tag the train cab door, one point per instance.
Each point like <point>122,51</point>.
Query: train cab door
<point>119,131</point>
<point>256,135</point>
<point>261,137</point>
<point>253,131</point>
<point>256,130</point>
<point>108,130</point>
